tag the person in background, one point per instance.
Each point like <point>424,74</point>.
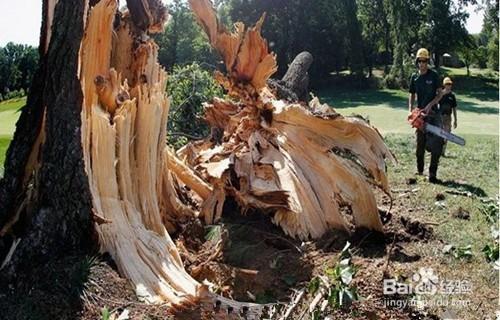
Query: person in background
<point>447,106</point>
<point>426,88</point>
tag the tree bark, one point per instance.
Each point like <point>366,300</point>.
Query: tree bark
<point>294,86</point>
<point>58,217</point>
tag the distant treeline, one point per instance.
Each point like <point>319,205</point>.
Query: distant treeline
<point>18,63</point>
<point>341,34</point>
<point>345,34</point>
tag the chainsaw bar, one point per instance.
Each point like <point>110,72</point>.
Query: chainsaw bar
<point>444,134</point>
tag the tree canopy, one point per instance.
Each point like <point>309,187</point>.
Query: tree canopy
<point>18,63</point>
<point>342,35</point>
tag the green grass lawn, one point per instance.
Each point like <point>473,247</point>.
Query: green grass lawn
<point>4,144</point>
<point>9,113</point>
<point>388,109</point>
<point>472,169</point>
<point>477,98</point>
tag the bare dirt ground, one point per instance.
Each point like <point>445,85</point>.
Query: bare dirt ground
<point>257,263</point>
<point>245,258</point>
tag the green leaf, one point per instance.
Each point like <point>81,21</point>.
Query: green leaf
<point>491,253</point>
<point>331,272</point>
<point>333,298</point>
<point>463,252</point>
<point>345,251</point>
<point>313,286</point>
<point>213,233</point>
<point>105,313</point>
<point>316,315</point>
<point>346,275</point>
<point>346,297</point>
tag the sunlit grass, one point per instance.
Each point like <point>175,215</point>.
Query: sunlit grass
<point>473,169</point>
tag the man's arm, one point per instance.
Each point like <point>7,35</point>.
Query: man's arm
<point>411,102</point>
<point>440,93</point>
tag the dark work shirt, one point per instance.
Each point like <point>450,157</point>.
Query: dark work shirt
<point>447,103</point>
<point>425,86</point>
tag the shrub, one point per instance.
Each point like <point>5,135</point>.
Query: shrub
<point>13,94</point>
<point>188,87</point>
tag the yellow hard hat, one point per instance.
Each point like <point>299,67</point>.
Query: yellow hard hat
<point>447,80</point>
<point>423,53</point>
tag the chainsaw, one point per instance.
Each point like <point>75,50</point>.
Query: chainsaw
<point>417,120</point>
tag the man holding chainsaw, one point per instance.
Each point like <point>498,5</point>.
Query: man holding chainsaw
<point>425,86</point>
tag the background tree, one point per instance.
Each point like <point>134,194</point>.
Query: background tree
<point>443,28</point>
<point>329,30</point>
<point>188,87</point>
<point>399,16</point>
<point>491,32</point>
<point>18,63</point>
<point>354,39</point>
<point>377,45</point>
<point>467,52</point>
<point>339,34</point>
<point>183,42</point>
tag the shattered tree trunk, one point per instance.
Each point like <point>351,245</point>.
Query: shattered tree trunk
<point>299,163</point>
<point>97,163</point>
<point>89,159</point>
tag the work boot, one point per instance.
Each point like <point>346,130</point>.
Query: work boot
<point>433,179</point>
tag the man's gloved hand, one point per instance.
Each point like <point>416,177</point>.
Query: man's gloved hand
<point>455,124</point>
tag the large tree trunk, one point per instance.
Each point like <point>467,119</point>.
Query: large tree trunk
<point>103,156</point>
<point>45,188</point>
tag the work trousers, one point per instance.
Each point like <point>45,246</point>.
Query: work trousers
<point>430,142</point>
<point>447,127</point>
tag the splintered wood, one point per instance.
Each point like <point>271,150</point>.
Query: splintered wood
<point>300,163</point>
<point>124,139</point>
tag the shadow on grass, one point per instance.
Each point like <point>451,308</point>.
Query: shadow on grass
<point>477,191</point>
<point>485,94</point>
<point>476,108</point>
<point>359,98</point>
